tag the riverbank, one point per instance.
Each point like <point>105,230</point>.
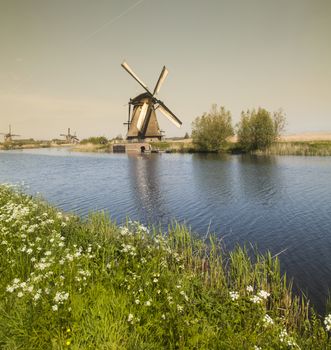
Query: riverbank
<point>94,284</point>
<point>282,147</point>
<point>306,144</point>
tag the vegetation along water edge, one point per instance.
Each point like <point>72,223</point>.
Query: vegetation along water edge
<point>75,283</point>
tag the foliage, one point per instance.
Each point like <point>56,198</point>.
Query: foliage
<point>71,284</point>
<point>95,140</point>
<point>211,131</point>
<point>258,130</point>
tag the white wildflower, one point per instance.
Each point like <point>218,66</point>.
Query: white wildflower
<point>263,294</point>
<point>327,322</point>
<point>55,307</point>
<point>10,289</point>
<point>36,296</point>
<point>283,335</point>
<point>234,295</point>
<point>180,308</point>
<point>130,318</point>
<point>268,320</point>
<point>255,299</point>
<point>249,289</point>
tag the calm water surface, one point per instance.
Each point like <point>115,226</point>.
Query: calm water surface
<point>276,203</point>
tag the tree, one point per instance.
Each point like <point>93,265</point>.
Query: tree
<point>211,131</point>
<point>187,136</point>
<point>259,129</point>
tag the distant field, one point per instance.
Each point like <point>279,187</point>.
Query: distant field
<point>308,136</point>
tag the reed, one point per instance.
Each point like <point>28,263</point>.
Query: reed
<point>307,148</point>
<point>92,284</point>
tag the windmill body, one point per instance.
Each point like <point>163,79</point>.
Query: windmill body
<point>147,129</point>
<point>142,121</point>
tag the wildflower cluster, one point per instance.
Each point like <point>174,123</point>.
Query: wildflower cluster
<point>36,235</point>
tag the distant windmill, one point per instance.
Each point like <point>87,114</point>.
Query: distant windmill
<point>70,138</point>
<point>8,137</point>
<point>142,124</point>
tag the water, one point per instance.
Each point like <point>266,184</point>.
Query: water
<point>278,203</point>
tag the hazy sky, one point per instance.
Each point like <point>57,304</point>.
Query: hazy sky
<point>60,61</point>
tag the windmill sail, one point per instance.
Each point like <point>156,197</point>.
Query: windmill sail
<point>167,113</point>
<point>162,78</point>
<point>142,116</point>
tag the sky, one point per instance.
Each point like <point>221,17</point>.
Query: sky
<point>60,62</point>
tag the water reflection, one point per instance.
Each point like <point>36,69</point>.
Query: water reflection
<point>144,179</point>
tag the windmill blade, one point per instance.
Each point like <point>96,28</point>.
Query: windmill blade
<point>142,116</point>
<point>162,78</point>
<point>135,76</point>
<point>167,112</point>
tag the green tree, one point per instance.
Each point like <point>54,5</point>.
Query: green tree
<point>211,131</point>
<point>259,129</point>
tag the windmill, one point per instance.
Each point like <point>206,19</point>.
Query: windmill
<point>142,122</point>
<point>70,138</point>
<point>8,137</point>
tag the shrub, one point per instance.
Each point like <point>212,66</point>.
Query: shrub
<point>211,131</point>
<point>257,130</point>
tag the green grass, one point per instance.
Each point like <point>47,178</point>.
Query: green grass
<point>68,283</point>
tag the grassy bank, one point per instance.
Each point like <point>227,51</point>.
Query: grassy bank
<point>68,283</point>
<point>24,145</point>
<point>299,148</point>
<point>90,147</point>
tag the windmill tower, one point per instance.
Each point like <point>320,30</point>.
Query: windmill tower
<point>70,138</point>
<point>142,122</point>
<point>8,137</point>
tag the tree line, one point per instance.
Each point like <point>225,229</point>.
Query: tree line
<point>256,130</point>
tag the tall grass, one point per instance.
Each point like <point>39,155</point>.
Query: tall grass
<point>304,148</point>
<point>69,283</point>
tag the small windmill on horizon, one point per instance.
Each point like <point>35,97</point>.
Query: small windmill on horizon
<point>70,138</point>
<point>8,137</point>
<point>142,122</point>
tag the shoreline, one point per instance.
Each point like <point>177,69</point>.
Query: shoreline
<point>309,144</point>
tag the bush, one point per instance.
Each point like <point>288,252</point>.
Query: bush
<point>98,140</point>
<point>257,130</point>
<point>211,131</point>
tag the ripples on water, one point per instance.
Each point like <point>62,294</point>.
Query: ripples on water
<point>276,203</point>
